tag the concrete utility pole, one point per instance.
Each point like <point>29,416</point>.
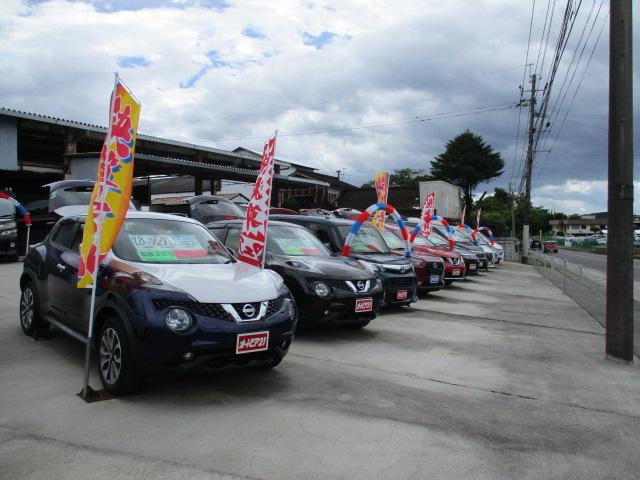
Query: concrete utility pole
<point>619,310</point>
<point>529,168</point>
<point>513,211</point>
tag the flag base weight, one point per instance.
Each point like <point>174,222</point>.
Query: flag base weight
<point>90,395</point>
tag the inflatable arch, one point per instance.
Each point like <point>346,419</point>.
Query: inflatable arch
<point>436,218</point>
<point>363,218</point>
<point>486,229</point>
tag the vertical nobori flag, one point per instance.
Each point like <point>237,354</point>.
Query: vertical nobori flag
<point>382,191</point>
<point>478,213</point>
<point>253,238</point>
<point>112,191</point>
<point>426,216</point>
<point>462,215</point>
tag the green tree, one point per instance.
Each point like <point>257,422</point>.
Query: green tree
<point>466,162</point>
<point>403,177</point>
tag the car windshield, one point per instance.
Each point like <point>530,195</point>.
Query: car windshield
<point>78,195</point>
<point>460,236</point>
<point>6,208</point>
<point>152,240</point>
<point>482,238</point>
<point>433,240</point>
<point>393,240</point>
<point>368,240</point>
<point>296,241</point>
<point>215,209</point>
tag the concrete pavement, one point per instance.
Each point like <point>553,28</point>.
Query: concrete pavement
<point>502,376</point>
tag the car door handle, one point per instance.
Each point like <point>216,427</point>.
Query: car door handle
<point>61,267</point>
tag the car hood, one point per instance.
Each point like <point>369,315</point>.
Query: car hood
<point>338,268</point>
<point>217,283</point>
<point>440,252</point>
<point>422,255</point>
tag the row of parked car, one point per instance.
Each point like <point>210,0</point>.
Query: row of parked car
<point>171,295</point>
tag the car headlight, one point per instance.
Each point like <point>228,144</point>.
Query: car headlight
<point>291,309</point>
<point>321,289</point>
<point>178,319</point>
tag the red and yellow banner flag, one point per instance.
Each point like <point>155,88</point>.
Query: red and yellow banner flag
<point>382,191</point>
<point>112,191</point>
<point>253,237</point>
<point>427,214</point>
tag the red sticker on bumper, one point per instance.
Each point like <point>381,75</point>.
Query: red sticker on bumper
<point>402,294</point>
<point>364,305</point>
<point>456,272</point>
<point>252,342</point>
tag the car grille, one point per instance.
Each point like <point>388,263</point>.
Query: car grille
<point>206,309</point>
<point>216,310</point>
<point>401,282</point>
<point>481,256</point>
<point>435,267</point>
<point>342,285</point>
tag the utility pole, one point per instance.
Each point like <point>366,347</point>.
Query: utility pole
<point>528,171</point>
<point>513,211</point>
<point>619,303</point>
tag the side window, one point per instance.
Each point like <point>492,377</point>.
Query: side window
<point>64,234</point>
<point>320,231</point>
<point>218,232</point>
<point>233,239</point>
<point>77,239</point>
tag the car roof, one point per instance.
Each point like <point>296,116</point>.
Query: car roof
<point>240,221</point>
<point>309,218</point>
<point>204,198</point>
<point>147,215</point>
<point>69,183</point>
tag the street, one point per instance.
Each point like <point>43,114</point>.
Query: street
<point>594,261</point>
<point>499,377</point>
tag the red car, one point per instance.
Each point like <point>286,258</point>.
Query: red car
<point>429,268</point>
<point>550,246</point>
<point>435,245</point>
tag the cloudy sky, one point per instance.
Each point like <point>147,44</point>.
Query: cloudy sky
<point>354,85</point>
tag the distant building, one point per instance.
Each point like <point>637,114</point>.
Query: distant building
<point>404,199</point>
<point>583,225</point>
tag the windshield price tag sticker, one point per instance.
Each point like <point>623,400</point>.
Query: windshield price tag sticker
<point>402,294</point>
<point>252,342</point>
<point>364,304</point>
<point>296,246</point>
<point>167,247</point>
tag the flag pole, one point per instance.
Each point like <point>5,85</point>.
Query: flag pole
<point>266,230</point>
<point>102,180</point>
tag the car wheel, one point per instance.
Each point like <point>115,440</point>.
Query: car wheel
<point>448,282</point>
<point>360,324</point>
<point>30,320</point>
<point>115,360</point>
<point>273,362</point>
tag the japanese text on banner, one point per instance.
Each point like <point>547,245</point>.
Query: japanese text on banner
<point>382,191</point>
<point>427,214</point>
<point>112,191</point>
<point>254,230</point>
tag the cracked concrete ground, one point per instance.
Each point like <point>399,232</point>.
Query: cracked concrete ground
<point>502,376</point>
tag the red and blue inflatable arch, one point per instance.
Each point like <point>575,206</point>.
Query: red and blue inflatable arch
<point>486,229</point>
<point>436,218</point>
<point>363,217</point>
<point>23,211</point>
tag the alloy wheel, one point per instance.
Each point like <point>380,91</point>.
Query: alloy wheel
<point>27,310</point>
<point>110,356</point>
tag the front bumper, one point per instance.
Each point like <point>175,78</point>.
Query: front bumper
<point>399,289</point>
<point>9,246</point>
<point>450,269</point>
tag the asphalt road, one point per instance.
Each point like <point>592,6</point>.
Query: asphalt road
<point>499,377</point>
<point>594,261</point>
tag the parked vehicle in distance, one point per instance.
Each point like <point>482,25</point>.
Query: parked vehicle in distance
<point>471,256</point>
<point>170,297</point>
<point>8,231</point>
<point>397,274</point>
<point>210,208</point>
<point>550,246</point>
<point>282,211</point>
<point>454,265</point>
<point>326,289</point>
<point>348,213</point>
<point>496,250</point>
<point>466,235</point>
<point>429,268</point>
<point>535,244</point>
<point>317,212</point>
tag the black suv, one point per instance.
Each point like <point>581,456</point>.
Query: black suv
<point>8,230</point>
<point>397,274</point>
<point>326,289</point>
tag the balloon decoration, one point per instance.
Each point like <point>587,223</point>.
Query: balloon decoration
<point>23,211</point>
<point>436,218</point>
<point>363,218</point>
<point>486,229</point>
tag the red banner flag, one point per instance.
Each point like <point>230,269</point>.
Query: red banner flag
<point>253,237</point>
<point>427,214</point>
<point>382,191</point>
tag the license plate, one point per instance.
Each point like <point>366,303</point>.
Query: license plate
<point>472,266</point>
<point>434,279</point>
<point>402,294</point>
<point>456,272</point>
<point>252,342</point>
<point>364,305</point>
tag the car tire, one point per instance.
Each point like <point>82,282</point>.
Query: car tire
<point>273,362</point>
<point>116,367</point>
<point>448,282</point>
<point>30,319</point>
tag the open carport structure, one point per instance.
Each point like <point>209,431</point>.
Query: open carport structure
<point>39,149</point>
